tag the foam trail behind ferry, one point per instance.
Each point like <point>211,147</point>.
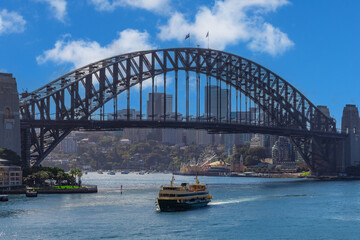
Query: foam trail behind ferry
<point>235,201</point>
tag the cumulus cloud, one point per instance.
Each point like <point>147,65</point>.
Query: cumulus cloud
<point>229,22</point>
<point>11,22</point>
<point>58,7</point>
<point>81,52</point>
<point>150,5</point>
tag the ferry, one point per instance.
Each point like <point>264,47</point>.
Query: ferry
<point>180,198</point>
<point>31,192</point>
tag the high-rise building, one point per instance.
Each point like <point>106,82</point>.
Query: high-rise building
<point>136,134</point>
<point>172,136</point>
<point>203,138</point>
<point>216,102</point>
<point>159,105</point>
<point>122,114</point>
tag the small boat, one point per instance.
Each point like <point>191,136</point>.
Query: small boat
<point>111,173</point>
<point>31,193</point>
<point>142,173</point>
<point>4,198</point>
<point>125,172</point>
<point>180,198</point>
<point>99,172</point>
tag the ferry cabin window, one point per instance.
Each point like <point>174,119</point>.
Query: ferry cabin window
<point>168,195</point>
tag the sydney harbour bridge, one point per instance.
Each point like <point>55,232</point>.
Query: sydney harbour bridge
<point>84,97</point>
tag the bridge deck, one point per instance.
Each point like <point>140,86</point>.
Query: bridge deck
<point>211,127</point>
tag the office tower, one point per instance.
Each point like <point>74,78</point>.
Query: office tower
<point>159,105</point>
<point>216,102</point>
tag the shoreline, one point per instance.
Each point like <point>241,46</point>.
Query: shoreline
<point>275,175</point>
<point>84,189</point>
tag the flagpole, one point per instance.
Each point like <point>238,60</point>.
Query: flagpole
<point>209,41</point>
<point>208,37</point>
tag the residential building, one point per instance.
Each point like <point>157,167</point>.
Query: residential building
<point>68,145</point>
<point>10,176</point>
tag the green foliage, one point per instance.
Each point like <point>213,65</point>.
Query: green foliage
<point>258,152</point>
<point>252,156</point>
<point>304,174</point>
<point>66,187</point>
<point>36,176</point>
<point>12,156</point>
<point>251,160</point>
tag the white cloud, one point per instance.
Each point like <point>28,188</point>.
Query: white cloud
<point>11,22</point>
<point>230,22</point>
<point>150,5</point>
<point>58,7</point>
<point>81,52</point>
<point>159,82</point>
<point>271,40</point>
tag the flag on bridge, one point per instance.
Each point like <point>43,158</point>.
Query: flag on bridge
<point>187,36</point>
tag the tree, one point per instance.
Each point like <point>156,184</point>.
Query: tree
<point>73,174</point>
<point>60,177</point>
<point>258,152</point>
<point>12,156</point>
<point>79,174</point>
<point>251,160</point>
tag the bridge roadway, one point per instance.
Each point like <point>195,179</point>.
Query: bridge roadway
<point>211,127</point>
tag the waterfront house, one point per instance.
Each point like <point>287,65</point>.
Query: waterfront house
<point>10,175</point>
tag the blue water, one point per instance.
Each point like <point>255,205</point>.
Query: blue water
<point>242,208</point>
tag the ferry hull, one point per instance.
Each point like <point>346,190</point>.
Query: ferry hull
<point>174,205</point>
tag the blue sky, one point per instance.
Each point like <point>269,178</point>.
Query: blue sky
<point>314,45</point>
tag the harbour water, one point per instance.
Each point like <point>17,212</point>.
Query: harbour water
<point>242,208</point>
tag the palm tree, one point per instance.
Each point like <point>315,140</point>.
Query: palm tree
<point>79,174</point>
<point>73,173</point>
<point>59,177</point>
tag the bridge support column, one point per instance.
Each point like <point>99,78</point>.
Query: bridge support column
<point>9,114</point>
<point>350,125</point>
<point>323,155</point>
<point>25,145</point>
<point>327,156</point>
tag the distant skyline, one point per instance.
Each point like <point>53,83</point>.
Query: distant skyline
<point>314,45</point>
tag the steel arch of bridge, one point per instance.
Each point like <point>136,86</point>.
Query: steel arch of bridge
<point>51,112</point>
